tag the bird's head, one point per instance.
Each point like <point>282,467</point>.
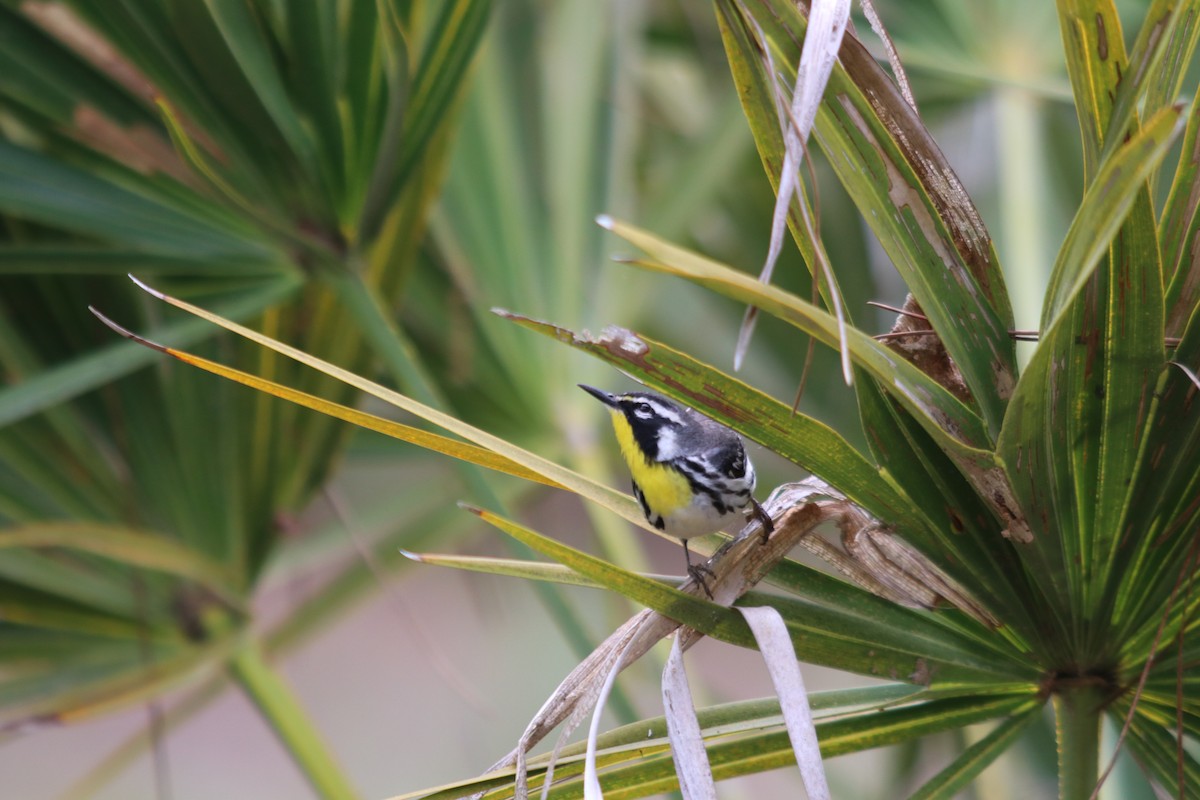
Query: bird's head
<point>650,421</point>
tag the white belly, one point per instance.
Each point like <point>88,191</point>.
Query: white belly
<point>698,518</point>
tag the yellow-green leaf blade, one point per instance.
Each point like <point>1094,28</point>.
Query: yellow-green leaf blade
<point>795,436</point>
<point>551,472</point>
<point>953,424</point>
<point>829,635</point>
<point>1104,208</point>
<point>430,441</point>
<point>900,181</point>
<point>136,548</point>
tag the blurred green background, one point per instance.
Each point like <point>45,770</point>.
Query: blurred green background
<point>531,119</point>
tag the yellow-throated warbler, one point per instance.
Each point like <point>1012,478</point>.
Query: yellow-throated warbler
<point>691,475</point>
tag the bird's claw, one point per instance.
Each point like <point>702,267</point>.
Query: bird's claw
<point>697,573</point>
<point>760,513</point>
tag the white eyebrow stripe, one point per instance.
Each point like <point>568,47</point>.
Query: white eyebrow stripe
<point>666,411</point>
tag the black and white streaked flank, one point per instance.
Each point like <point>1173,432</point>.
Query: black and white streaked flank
<point>720,476</point>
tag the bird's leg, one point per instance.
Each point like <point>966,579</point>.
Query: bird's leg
<point>768,525</point>
<point>697,571</point>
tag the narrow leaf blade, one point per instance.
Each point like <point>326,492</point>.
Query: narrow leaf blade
<point>1105,205</point>
<point>952,423</point>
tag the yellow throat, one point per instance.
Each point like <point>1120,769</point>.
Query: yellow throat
<point>666,490</point>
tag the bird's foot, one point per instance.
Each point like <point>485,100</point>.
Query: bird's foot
<point>697,573</point>
<point>760,513</point>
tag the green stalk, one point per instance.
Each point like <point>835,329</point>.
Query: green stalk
<point>1077,714</point>
<point>291,724</point>
<point>1020,179</point>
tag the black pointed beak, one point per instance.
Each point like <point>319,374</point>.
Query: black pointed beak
<point>604,397</point>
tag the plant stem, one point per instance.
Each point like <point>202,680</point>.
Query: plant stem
<point>1077,724</point>
<point>291,724</point>
<point>1024,215</point>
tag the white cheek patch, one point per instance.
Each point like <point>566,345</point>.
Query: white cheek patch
<point>668,444</point>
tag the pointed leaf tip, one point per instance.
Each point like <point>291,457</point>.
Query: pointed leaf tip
<point>411,556</point>
<point>123,331</point>
<point>465,506</point>
<point>743,341</point>
<point>108,322</point>
<point>1195,379</point>
<point>604,221</point>
<point>145,287</point>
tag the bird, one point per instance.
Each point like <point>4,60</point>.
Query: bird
<point>691,474</point>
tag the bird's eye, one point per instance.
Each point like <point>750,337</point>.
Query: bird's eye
<point>643,410</point>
